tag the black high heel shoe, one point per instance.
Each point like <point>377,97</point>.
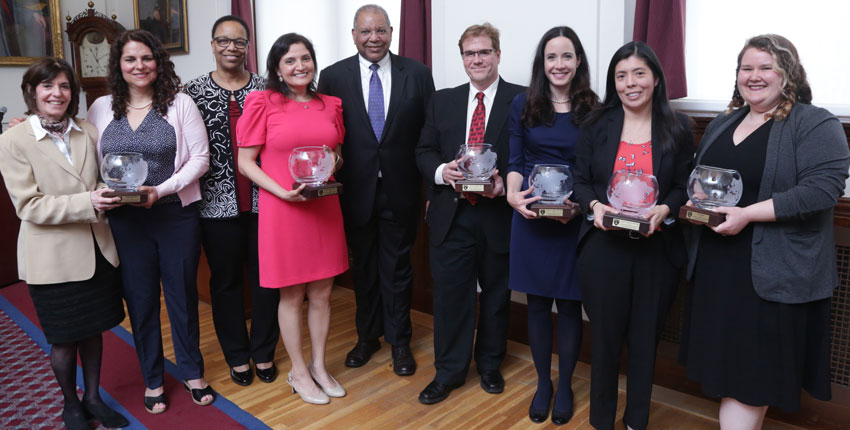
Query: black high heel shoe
<point>75,419</point>
<point>539,415</point>
<point>242,378</point>
<point>199,393</point>
<point>107,416</point>
<point>267,375</point>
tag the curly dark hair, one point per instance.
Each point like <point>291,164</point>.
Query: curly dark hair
<point>166,85</point>
<point>47,69</point>
<point>786,63</point>
<point>538,108</point>
<point>670,130</point>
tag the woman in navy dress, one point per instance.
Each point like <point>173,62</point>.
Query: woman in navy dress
<point>544,130</point>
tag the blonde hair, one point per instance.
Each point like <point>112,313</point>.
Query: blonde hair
<point>485,29</point>
<point>786,63</point>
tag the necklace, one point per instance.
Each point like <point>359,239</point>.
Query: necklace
<point>560,102</point>
<point>140,107</point>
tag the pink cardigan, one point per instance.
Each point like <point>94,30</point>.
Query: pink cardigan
<point>192,159</point>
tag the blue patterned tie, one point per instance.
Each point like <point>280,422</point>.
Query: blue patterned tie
<point>376,102</point>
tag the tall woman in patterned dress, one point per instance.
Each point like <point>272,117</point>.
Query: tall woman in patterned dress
<point>228,209</point>
<point>544,130</point>
<point>160,239</point>
<point>628,280</point>
<point>301,243</point>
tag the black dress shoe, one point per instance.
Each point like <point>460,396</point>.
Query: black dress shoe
<point>560,418</point>
<point>75,419</point>
<point>492,381</point>
<point>436,392</point>
<point>403,362</point>
<point>267,375</point>
<point>242,378</point>
<point>107,416</point>
<point>361,353</point>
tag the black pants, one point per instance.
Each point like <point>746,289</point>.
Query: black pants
<point>462,261</point>
<point>163,242</point>
<point>627,287</point>
<point>383,276</point>
<point>231,249</point>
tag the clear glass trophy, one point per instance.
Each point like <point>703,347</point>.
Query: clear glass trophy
<point>477,162</point>
<point>633,195</point>
<point>709,188</point>
<point>553,183</point>
<point>313,166</point>
<point>124,172</point>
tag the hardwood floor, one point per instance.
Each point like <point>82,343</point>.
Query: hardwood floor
<point>378,399</point>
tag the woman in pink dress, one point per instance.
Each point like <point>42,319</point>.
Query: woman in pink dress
<point>301,242</point>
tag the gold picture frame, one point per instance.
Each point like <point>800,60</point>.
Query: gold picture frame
<point>171,28</point>
<point>29,30</point>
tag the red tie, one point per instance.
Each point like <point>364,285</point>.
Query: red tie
<point>476,135</point>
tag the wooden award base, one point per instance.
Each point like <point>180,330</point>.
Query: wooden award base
<point>701,216</point>
<point>551,211</point>
<point>128,196</point>
<point>478,186</point>
<point>625,222</point>
<point>316,191</point>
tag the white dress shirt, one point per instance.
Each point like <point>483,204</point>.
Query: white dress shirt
<point>384,72</point>
<point>471,104</point>
<point>63,144</point>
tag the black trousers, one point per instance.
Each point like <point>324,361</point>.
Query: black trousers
<point>383,276</point>
<point>161,243</point>
<point>231,249</point>
<point>627,287</point>
<point>464,260</point>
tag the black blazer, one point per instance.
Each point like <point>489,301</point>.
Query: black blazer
<point>444,132</point>
<point>364,154</point>
<point>596,152</point>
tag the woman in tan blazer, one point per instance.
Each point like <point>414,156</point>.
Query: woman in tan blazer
<point>66,253</point>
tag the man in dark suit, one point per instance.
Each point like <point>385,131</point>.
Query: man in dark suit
<point>469,233</point>
<point>383,100</point>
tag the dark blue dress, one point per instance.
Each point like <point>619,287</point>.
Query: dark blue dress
<point>543,251</point>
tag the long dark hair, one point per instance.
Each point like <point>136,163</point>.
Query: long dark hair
<point>538,107</point>
<point>664,123</point>
<point>166,85</point>
<point>786,62</point>
<point>279,49</point>
<point>47,69</point>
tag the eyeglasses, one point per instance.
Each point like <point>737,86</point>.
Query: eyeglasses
<point>224,42</point>
<point>381,32</point>
<point>483,53</point>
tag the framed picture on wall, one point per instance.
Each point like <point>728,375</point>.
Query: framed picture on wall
<point>29,29</point>
<point>167,20</point>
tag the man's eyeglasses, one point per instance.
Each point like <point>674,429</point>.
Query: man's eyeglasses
<point>224,42</point>
<point>483,53</point>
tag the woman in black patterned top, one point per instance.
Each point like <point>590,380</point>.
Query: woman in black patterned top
<point>229,211</point>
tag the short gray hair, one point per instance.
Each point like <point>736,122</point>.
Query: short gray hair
<point>371,8</point>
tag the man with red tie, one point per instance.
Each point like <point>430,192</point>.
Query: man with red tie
<point>469,233</point>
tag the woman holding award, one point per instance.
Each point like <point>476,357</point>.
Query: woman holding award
<point>66,253</point>
<point>301,242</point>
<point>159,239</point>
<point>228,209</point>
<point>628,280</point>
<point>757,330</point>
<point>544,130</point>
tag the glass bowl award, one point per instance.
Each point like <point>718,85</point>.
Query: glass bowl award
<point>709,188</point>
<point>124,172</point>
<point>477,162</point>
<point>312,166</point>
<point>633,195</point>
<point>553,183</point>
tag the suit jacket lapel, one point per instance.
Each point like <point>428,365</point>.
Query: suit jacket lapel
<point>78,149</point>
<point>459,104</point>
<point>46,146</point>
<point>498,114</point>
<point>399,80</point>
<point>709,139</point>
<point>656,151</point>
<point>612,143</point>
<point>356,88</point>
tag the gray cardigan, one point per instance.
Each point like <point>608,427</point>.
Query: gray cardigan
<point>806,165</point>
